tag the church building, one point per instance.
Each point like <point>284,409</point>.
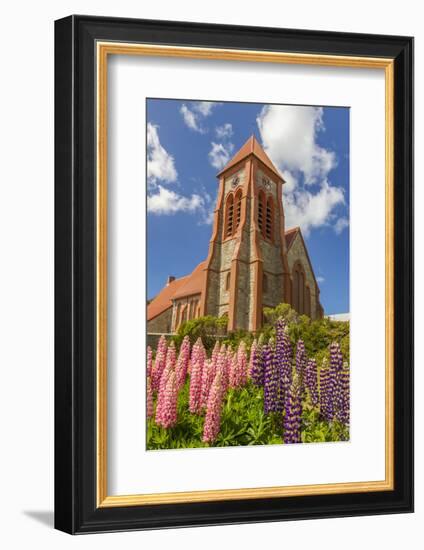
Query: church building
<point>253,261</point>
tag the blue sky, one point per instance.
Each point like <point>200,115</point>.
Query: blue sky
<point>188,142</point>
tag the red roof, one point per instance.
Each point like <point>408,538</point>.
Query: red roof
<point>162,301</point>
<point>184,286</point>
<point>193,284</point>
<point>290,236</point>
<point>251,147</point>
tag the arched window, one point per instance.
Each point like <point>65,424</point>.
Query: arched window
<point>300,299</point>
<point>296,290</point>
<point>261,212</point>
<point>301,292</point>
<point>228,281</point>
<point>177,316</point>
<point>264,283</point>
<point>269,224</point>
<point>238,209</point>
<point>229,216</point>
<point>308,301</point>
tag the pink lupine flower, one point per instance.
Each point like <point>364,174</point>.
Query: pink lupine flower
<point>171,354</point>
<point>253,350</point>
<point>162,390</point>
<point>149,392</point>
<point>160,362</point>
<point>214,359</point>
<point>213,414</point>
<point>169,406</point>
<point>242,363</point>
<point>208,375</point>
<point>182,362</point>
<point>222,368</point>
<point>238,370</point>
<point>149,361</point>
<point>197,360</point>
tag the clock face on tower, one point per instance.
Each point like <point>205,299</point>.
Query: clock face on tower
<point>266,183</point>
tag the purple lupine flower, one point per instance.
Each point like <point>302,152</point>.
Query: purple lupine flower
<point>257,365</point>
<point>271,379</point>
<point>301,363</point>
<point>311,381</point>
<point>286,367</point>
<point>293,413</point>
<point>336,364</point>
<point>323,390</point>
<point>343,413</point>
<point>283,352</point>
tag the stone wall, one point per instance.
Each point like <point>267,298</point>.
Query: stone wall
<point>298,252</point>
<point>161,323</point>
<point>228,184</point>
<point>191,304</point>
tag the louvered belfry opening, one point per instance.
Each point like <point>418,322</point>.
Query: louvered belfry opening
<point>229,222</point>
<point>238,209</point>
<point>261,200</point>
<point>269,218</point>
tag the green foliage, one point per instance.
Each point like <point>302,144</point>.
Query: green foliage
<point>317,334</point>
<point>243,422</point>
<point>207,328</point>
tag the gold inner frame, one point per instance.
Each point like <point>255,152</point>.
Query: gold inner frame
<point>104,49</point>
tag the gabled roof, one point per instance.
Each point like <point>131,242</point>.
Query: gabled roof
<point>184,286</point>
<point>162,301</point>
<point>193,283</point>
<point>290,235</point>
<point>251,147</point>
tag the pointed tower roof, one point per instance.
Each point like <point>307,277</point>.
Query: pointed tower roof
<point>251,147</point>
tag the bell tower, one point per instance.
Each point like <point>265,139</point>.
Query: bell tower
<point>246,268</point>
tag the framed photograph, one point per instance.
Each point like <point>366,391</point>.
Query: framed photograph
<point>234,274</point>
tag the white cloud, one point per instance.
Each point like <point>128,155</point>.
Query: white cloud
<point>220,153</point>
<point>224,131</point>
<point>204,107</point>
<point>310,210</point>
<point>190,118</point>
<point>169,202</point>
<point>341,224</point>
<point>320,279</point>
<point>289,134</point>
<point>160,164</point>
<point>195,114</point>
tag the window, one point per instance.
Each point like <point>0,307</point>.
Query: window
<point>269,218</point>
<point>229,216</point>
<point>238,209</point>
<point>261,206</point>
<point>228,281</point>
<point>308,301</point>
<point>300,298</point>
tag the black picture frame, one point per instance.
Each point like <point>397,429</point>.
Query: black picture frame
<point>76,510</point>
